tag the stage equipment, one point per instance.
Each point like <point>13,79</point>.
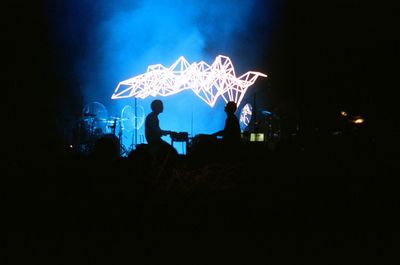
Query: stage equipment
<point>256,137</point>
<point>182,137</point>
<point>208,82</point>
<point>96,116</point>
<point>91,125</point>
<point>245,116</point>
<point>132,119</point>
<point>112,124</point>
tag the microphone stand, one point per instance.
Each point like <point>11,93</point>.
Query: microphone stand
<point>136,128</point>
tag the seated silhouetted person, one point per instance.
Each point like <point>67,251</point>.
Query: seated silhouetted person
<point>231,137</point>
<point>152,128</point>
<point>153,132</point>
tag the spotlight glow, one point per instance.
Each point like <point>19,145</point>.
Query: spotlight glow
<point>358,121</point>
<point>208,82</point>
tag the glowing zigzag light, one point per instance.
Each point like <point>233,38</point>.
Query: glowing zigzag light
<point>208,82</point>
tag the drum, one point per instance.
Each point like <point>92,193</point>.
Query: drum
<point>81,132</point>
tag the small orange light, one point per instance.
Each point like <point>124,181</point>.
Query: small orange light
<point>358,121</point>
<point>343,113</point>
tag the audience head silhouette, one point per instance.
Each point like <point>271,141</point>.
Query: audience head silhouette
<point>106,147</point>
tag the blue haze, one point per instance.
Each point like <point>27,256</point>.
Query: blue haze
<point>106,42</point>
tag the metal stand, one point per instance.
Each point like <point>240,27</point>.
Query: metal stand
<point>136,128</point>
<point>134,133</point>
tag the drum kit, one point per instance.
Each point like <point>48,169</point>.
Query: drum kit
<point>95,123</point>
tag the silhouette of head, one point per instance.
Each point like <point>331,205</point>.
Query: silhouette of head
<point>230,107</point>
<point>157,106</point>
<point>106,147</point>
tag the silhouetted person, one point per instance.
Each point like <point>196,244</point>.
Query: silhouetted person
<point>152,129</point>
<point>104,158</point>
<point>157,147</point>
<point>106,148</point>
<point>231,138</point>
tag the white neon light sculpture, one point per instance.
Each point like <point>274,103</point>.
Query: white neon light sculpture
<point>208,82</point>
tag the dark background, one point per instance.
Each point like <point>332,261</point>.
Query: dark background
<point>327,57</point>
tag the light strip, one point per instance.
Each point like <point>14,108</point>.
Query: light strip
<point>208,82</point>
